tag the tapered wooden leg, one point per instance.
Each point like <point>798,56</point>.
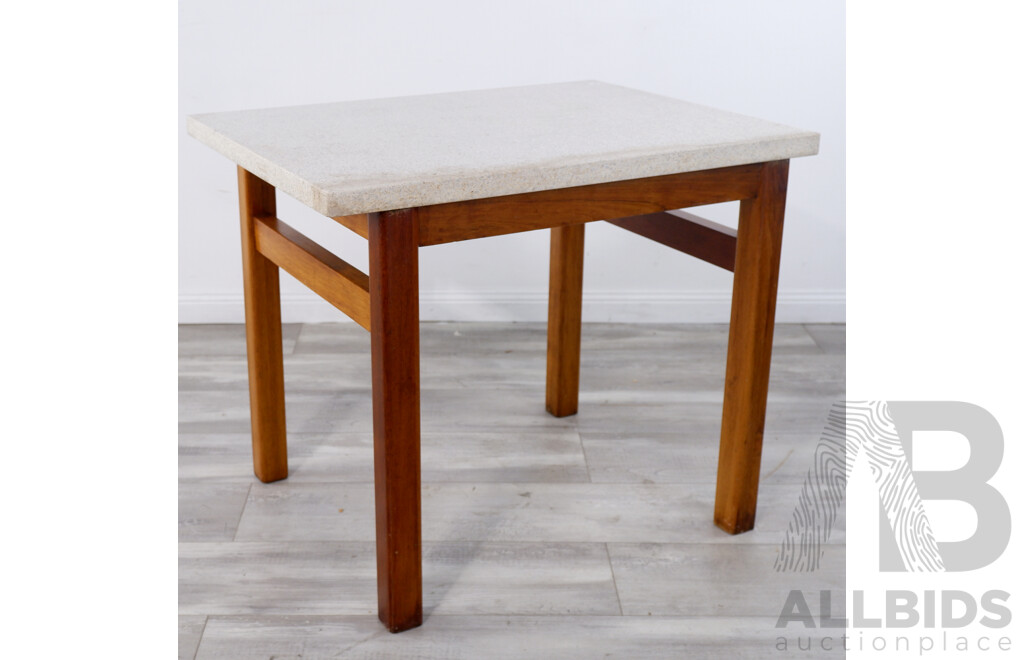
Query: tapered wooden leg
<point>394,342</point>
<point>262,335</point>
<point>565,304</point>
<point>758,248</point>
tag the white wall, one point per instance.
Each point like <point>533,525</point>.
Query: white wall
<point>782,60</point>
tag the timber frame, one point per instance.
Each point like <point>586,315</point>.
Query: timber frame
<point>385,302</point>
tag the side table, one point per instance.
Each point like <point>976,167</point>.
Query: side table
<point>410,172</point>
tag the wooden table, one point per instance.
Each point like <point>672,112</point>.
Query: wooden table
<point>409,172</point>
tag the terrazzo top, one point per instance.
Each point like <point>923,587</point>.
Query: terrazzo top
<point>377,155</point>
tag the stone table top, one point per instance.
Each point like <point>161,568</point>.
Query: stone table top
<point>377,155</point>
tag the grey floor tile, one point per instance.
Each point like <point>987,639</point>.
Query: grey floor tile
<point>227,411</point>
<point>209,511</point>
<point>683,338</point>
<point>672,413</point>
<point>497,638</point>
<point>190,630</point>
<point>513,456</point>
<point>524,514</point>
<point>325,373</point>
<point>529,512</point>
<point>220,457</point>
<point>457,338</point>
<point>292,637</point>
<point>338,338</point>
<point>225,339</point>
<point>435,338</point>
<point>274,578</point>
<point>512,354</point>
<point>831,338</point>
<point>340,578</point>
<point>725,580</point>
<point>467,409</point>
<point>702,377</point>
<point>677,458</point>
<point>442,410</point>
<point>483,338</point>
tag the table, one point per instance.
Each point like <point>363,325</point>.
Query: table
<point>410,172</point>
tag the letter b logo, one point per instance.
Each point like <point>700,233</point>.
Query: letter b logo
<point>967,484</point>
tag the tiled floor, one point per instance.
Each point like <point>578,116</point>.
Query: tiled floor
<point>583,537</point>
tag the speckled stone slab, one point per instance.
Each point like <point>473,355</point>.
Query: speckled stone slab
<point>378,155</point>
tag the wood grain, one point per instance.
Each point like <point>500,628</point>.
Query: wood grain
<point>493,216</point>
<point>686,232</point>
<point>758,250</point>
<point>565,305</point>
<point>262,334</point>
<point>333,279</point>
<point>394,347</point>
<point>358,223</point>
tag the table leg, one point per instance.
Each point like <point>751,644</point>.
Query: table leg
<point>758,248</point>
<point>565,304</point>
<point>262,335</point>
<point>394,345</point>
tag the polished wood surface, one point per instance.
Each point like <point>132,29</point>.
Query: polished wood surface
<point>394,349</point>
<point>357,223</point>
<point>333,279</point>
<point>493,216</point>
<point>565,305</point>
<point>686,232</point>
<point>263,334</point>
<point>752,323</point>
